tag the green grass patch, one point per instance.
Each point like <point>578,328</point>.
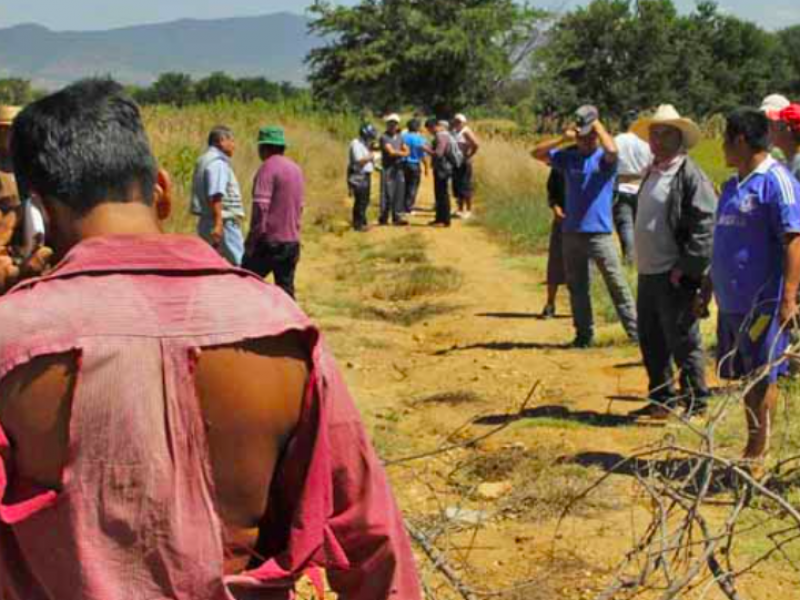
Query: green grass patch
<point>422,280</point>
<point>409,249</point>
<point>708,154</point>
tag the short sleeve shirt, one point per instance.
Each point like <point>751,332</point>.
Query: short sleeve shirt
<point>590,182</point>
<point>358,152</point>
<point>752,218</point>
<point>416,146</point>
<point>396,142</point>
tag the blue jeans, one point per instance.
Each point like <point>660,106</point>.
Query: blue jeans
<point>232,246</point>
<point>580,249</point>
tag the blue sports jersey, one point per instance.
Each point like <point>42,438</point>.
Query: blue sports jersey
<point>416,145</point>
<point>752,218</point>
<point>590,182</point>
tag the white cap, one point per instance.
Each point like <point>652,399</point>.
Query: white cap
<point>460,117</point>
<point>392,118</point>
<point>774,104</point>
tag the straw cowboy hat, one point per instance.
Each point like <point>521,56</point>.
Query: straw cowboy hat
<point>667,115</point>
<point>8,114</point>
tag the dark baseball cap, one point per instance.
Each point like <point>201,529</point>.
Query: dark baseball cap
<point>585,117</point>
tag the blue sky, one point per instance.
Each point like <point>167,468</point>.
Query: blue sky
<point>103,14</point>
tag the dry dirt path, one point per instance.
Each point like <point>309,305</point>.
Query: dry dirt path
<point>463,371</point>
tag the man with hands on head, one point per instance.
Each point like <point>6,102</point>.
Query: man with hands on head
<point>590,170</point>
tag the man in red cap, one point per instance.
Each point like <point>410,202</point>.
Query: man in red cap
<point>785,134</point>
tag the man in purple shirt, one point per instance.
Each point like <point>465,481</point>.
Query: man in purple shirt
<point>273,245</point>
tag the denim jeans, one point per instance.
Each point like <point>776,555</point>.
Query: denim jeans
<point>668,330</point>
<point>580,249</point>
<point>624,219</point>
<point>413,175</point>
<point>392,194</point>
<point>232,246</point>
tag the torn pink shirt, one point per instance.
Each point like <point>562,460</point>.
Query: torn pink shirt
<point>136,517</point>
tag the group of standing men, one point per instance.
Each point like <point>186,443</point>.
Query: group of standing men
<point>273,242</point>
<point>743,247</point>
<point>403,157</point>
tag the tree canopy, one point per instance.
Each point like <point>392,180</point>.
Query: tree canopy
<point>438,54</point>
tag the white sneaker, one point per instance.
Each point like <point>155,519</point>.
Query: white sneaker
<point>466,215</point>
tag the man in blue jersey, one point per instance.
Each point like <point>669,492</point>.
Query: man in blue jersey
<point>590,171</point>
<point>414,163</point>
<point>755,270</point>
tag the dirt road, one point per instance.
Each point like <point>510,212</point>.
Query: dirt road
<point>458,371</point>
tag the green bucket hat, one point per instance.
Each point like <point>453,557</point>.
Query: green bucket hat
<point>271,136</point>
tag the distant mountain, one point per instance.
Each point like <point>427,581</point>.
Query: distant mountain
<point>272,46</point>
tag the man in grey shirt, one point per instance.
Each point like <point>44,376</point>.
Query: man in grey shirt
<point>217,197</point>
<point>673,237</point>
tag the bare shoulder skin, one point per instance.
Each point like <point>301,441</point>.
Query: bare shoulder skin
<point>251,397</point>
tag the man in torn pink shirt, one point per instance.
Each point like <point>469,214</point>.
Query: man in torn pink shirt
<point>273,245</point>
<point>156,439</point>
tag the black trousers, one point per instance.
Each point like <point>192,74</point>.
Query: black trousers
<point>668,330</point>
<point>361,198</point>
<point>413,175</point>
<point>441,191</point>
<point>278,258</point>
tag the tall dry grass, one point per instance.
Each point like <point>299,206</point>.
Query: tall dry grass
<point>317,141</point>
<point>512,190</point>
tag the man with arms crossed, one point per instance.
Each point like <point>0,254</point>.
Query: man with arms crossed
<point>170,426</point>
<point>755,270</point>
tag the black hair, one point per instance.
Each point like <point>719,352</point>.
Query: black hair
<point>431,123</point>
<point>628,119</point>
<point>275,149</point>
<point>218,134</point>
<point>84,146</point>
<point>750,123</point>
<point>413,125</point>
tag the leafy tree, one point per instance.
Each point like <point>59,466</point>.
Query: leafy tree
<point>173,88</point>
<point>621,55</point>
<point>790,41</point>
<point>17,91</point>
<point>438,54</point>
<point>216,86</point>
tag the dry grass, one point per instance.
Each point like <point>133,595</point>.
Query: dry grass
<point>512,191</point>
<point>422,280</point>
<point>316,142</point>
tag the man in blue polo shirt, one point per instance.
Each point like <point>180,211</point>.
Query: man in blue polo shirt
<point>755,270</point>
<point>590,171</point>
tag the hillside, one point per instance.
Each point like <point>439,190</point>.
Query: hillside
<point>272,45</point>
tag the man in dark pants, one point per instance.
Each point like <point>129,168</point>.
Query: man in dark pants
<point>273,245</point>
<point>393,151</point>
<point>360,167</point>
<point>634,159</point>
<point>674,232</point>
<point>442,170</point>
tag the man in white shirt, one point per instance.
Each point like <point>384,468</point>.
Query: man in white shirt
<point>674,232</point>
<point>634,159</point>
<point>361,165</point>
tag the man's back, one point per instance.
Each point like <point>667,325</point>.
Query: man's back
<point>146,413</point>
<point>279,196</point>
